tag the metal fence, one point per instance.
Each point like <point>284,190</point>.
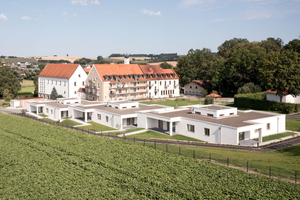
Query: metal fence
<point>183,149</point>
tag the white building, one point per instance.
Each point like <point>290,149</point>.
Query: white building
<point>214,124</point>
<point>271,96</point>
<point>66,78</point>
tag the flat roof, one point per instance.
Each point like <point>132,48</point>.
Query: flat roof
<point>124,111</point>
<point>233,120</point>
<point>54,104</point>
<point>214,107</point>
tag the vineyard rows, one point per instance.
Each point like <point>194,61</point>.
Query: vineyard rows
<point>39,161</point>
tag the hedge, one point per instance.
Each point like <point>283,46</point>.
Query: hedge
<point>257,104</point>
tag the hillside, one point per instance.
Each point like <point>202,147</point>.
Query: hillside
<point>69,58</point>
<point>39,161</point>
<point>19,59</point>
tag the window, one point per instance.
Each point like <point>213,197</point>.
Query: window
<point>210,115</point>
<point>191,128</point>
<point>256,131</point>
<point>190,87</point>
<point>79,75</point>
<point>196,87</point>
<point>55,82</point>
<point>52,82</point>
<point>75,83</point>
<point>64,92</point>
<point>82,83</point>
<point>48,81</point>
<point>75,92</point>
<point>170,82</point>
<point>206,131</point>
<point>51,111</point>
<point>65,83</point>
<point>98,85</point>
<point>231,113</point>
<point>106,119</point>
<point>268,126</point>
<point>59,82</point>
<point>160,82</point>
<point>47,110</point>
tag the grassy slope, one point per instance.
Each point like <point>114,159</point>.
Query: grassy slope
<point>152,134</point>
<point>39,161</point>
<point>97,126</point>
<point>276,136</point>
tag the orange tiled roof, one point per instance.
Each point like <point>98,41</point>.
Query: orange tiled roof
<point>275,92</point>
<point>59,70</point>
<point>144,72</point>
<point>214,95</point>
<point>81,90</point>
<point>87,70</point>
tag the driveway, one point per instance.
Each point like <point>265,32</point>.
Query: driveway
<point>293,116</point>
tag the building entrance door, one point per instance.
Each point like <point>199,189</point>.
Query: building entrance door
<point>242,136</point>
<point>160,124</point>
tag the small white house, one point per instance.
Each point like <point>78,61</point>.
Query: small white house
<point>271,96</point>
<point>67,79</point>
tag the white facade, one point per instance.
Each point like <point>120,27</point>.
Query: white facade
<point>163,88</point>
<point>286,99</point>
<point>68,88</point>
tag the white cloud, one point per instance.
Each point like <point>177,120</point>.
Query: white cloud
<point>3,17</point>
<point>195,2</point>
<point>149,12</point>
<point>96,2</point>
<point>82,2</point>
<point>217,20</point>
<point>26,18</point>
<point>74,15</point>
<point>65,13</point>
<point>252,15</point>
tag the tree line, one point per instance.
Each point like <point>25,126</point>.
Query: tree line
<point>268,64</point>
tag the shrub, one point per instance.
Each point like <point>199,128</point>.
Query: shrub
<point>249,88</point>
<point>208,100</point>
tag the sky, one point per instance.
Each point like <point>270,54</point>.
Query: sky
<point>91,28</point>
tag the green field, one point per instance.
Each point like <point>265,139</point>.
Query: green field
<point>39,161</point>
<point>13,60</point>
<point>26,91</point>
<point>152,134</point>
<point>172,103</point>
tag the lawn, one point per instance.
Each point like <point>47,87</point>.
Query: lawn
<point>231,104</point>
<point>66,122</point>
<point>39,161</point>
<point>43,115</point>
<point>172,103</point>
<point>152,134</point>
<point>26,91</point>
<point>293,124</point>
<point>275,136</point>
<point>96,127</point>
<point>27,83</point>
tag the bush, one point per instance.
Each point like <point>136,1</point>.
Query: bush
<point>59,96</point>
<point>208,100</point>
<point>249,88</point>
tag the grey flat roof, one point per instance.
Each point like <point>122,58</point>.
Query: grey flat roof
<point>125,111</point>
<point>54,104</point>
<point>233,121</point>
<point>214,107</point>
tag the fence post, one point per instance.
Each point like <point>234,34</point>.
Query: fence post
<point>296,177</point>
<point>227,161</point>
<point>270,172</point>
<point>247,166</point>
<point>209,157</point>
<point>194,154</point>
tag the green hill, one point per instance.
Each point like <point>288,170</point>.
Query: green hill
<point>19,59</point>
<point>38,161</point>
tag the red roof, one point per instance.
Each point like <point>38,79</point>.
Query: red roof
<point>275,92</point>
<point>81,90</point>
<point>214,95</point>
<point>87,70</point>
<point>59,70</point>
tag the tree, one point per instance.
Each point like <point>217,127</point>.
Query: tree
<point>41,66</point>
<point>17,73</point>
<point>249,88</point>
<point>208,100</point>
<point>224,49</point>
<point>280,72</point>
<point>293,45</point>
<point>6,95</point>
<point>166,65</point>
<point>99,58</point>
<point>36,86</point>
<point>53,94</point>
<point>272,44</point>
<point>9,81</point>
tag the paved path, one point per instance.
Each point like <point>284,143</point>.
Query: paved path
<point>281,145</point>
<point>293,116</point>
